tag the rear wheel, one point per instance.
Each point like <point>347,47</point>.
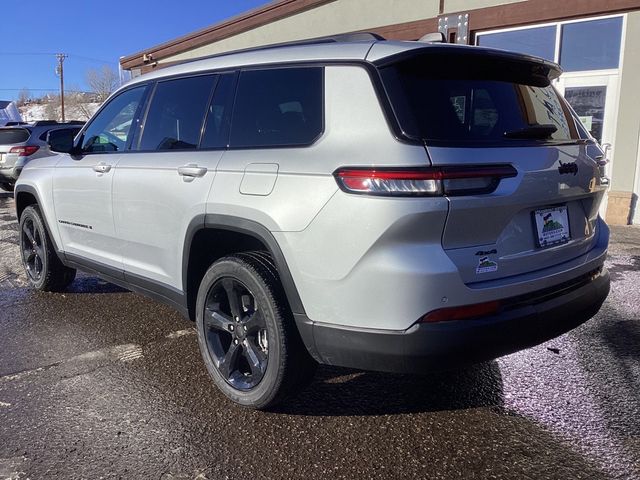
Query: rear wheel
<point>247,335</point>
<point>44,269</point>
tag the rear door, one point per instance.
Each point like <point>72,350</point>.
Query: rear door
<point>492,110</point>
<point>82,184</point>
<point>163,183</point>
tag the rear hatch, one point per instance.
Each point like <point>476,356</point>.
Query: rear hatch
<point>481,107</point>
<point>11,137</point>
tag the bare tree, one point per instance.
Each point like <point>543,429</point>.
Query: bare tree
<point>103,81</point>
<point>23,97</point>
<point>52,105</point>
<point>78,105</point>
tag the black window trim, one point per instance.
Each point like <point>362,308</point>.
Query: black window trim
<point>369,67</point>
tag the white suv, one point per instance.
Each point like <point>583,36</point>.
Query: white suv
<point>392,206</point>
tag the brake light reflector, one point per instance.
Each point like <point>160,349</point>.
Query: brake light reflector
<point>461,313</point>
<point>447,180</point>
<point>24,151</point>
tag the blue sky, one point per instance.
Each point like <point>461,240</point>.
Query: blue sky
<point>92,33</point>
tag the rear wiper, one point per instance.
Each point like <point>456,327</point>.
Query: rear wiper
<point>533,131</point>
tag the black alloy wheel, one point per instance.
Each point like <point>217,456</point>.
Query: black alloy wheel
<point>236,334</point>
<point>45,271</point>
<point>247,334</point>
<point>32,247</point>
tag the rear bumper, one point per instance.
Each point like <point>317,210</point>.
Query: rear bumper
<point>10,174</point>
<point>524,322</point>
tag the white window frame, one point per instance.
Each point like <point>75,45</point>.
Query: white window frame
<point>558,25</point>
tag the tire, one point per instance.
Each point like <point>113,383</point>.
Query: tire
<point>44,269</point>
<point>255,356</point>
<point>7,186</point>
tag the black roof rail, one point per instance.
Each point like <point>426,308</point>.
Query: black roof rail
<point>342,37</point>
<point>13,124</point>
<point>41,123</point>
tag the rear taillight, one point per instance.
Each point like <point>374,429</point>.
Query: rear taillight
<point>447,180</point>
<point>24,151</point>
<point>464,312</point>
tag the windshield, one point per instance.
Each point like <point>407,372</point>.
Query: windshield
<point>458,100</point>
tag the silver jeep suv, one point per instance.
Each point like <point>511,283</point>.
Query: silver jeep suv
<point>393,206</point>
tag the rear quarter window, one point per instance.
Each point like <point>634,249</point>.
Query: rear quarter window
<point>9,136</point>
<point>278,107</point>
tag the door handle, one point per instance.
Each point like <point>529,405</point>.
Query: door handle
<point>102,167</point>
<point>192,170</point>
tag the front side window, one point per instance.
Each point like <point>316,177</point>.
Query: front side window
<point>110,130</point>
<point>176,114</point>
<point>278,107</point>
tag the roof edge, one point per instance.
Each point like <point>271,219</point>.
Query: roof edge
<point>240,23</point>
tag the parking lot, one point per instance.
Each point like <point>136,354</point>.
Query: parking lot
<point>100,382</point>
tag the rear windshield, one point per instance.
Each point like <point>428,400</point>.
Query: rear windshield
<point>9,136</point>
<point>469,100</point>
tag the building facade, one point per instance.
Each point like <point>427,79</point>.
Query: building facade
<point>597,43</point>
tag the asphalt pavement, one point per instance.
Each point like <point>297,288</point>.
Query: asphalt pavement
<point>100,382</point>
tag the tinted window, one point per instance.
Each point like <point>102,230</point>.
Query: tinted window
<point>176,114</point>
<point>54,133</point>
<point>479,101</point>
<point>112,127</point>
<point>10,136</point>
<point>216,133</point>
<point>540,41</point>
<point>592,45</point>
<point>278,107</point>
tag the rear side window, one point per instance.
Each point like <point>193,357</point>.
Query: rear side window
<point>474,101</point>
<point>176,114</point>
<point>10,136</point>
<point>278,107</point>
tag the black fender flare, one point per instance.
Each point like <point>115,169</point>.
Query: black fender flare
<point>247,227</point>
<point>20,188</point>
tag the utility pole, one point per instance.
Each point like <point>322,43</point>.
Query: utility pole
<point>60,73</point>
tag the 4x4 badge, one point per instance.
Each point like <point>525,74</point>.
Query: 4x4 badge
<point>569,167</point>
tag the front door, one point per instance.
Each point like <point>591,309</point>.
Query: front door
<point>82,185</point>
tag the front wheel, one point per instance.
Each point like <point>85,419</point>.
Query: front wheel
<point>44,269</point>
<point>247,335</point>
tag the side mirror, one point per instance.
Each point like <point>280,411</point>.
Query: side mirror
<point>61,140</point>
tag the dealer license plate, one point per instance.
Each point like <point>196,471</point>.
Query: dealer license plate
<point>552,226</point>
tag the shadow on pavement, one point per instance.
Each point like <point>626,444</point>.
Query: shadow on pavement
<point>339,392</point>
<point>87,284</point>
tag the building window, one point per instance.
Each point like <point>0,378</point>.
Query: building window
<point>592,45</point>
<point>583,45</point>
<point>539,41</point>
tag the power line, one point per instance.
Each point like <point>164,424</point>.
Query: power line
<point>52,54</point>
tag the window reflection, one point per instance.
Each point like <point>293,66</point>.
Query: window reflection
<point>540,41</point>
<point>592,45</point>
